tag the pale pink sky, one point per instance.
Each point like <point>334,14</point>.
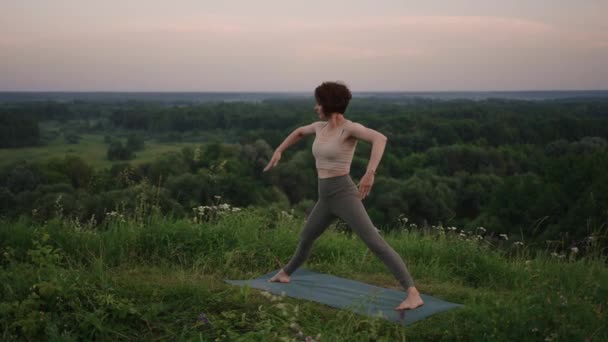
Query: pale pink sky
<point>392,45</point>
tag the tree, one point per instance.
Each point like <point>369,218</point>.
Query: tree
<point>135,142</point>
<point>117,151</point>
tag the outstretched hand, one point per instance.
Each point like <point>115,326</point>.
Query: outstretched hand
<point>365,185</point>
<point>273,161</point>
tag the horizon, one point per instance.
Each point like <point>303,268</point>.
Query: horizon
<point>232,96</point>
<point>305,92</point>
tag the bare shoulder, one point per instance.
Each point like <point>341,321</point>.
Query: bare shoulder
<point>359,131</point>
<point>354,129</point>
<point>312,128</point>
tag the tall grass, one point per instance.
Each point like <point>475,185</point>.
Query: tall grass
<point>162,279</point>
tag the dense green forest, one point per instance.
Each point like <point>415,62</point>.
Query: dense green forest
<point>531,170</point>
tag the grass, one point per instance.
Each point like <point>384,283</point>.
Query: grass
<point>91,148</point>
<point>162,279</point>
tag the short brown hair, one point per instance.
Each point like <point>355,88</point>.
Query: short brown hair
<point>333,97</point>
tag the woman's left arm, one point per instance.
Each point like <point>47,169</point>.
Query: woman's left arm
<point>378,141</point>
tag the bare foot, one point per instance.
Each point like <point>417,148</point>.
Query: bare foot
<point>412,301</point>
<point>280,277</point>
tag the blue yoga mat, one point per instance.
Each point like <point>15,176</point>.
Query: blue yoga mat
<point>341,293</point>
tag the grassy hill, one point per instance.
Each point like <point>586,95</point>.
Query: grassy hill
<point>162,279</point>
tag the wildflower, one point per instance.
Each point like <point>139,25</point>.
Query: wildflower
<point>217,197</point>
<point>504,236</point>
<point>561,256</point>
<point>452,228</point>
<point>462,235</point>
<point>203,318</point>
<point>553,254</point>
<point>574,250</point>
<point>224,206</point>
<point>236,209</point>
<point>518,243</point>
<point>479,237</point>
<point>481,229</point>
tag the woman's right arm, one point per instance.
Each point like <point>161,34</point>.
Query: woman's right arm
<point>291,139</point>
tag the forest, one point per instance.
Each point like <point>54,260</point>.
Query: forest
<point>524,170</point>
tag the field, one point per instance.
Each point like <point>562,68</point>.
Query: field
<point>162,279</point>
<point>91,148</point>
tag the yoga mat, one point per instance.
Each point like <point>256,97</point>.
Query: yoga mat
<point>341,293</point>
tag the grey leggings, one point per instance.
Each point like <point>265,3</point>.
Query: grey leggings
<point>339,197</point>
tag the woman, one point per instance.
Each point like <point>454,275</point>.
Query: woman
<point>333,149</point>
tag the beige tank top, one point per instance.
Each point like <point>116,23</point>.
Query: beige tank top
<point>333,151</point>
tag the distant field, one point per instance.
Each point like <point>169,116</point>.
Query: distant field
<point>91,148</point>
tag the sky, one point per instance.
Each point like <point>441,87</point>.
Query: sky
<point>284,46</point>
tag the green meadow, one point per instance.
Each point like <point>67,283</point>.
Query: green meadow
<point>90,148</point>
<point>149,277</point>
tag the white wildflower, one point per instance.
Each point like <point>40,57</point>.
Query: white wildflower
<point>574,250</point>
<point>504,236</point>
<point>518,243</point>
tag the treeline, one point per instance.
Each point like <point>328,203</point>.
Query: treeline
<point>533,169</point>
<point>414,125</point>
<point>173,184</point>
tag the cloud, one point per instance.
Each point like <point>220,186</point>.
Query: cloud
<point>445,24</point>
<point>325,52</point>
<point>202,26</point>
